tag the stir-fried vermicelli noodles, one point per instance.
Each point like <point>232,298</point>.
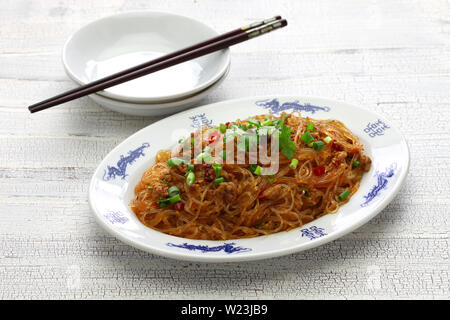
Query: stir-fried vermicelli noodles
<point>198,192</point>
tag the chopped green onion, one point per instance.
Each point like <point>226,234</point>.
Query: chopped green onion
<point>344,195</point>
<point>272,178</point>
<point>223,154</point>
<point>163,203</point>
<point>175,198</point>
<point>254,122</point>
<point>172,162</point>
<point>305,193</point>
<point>318,145</point>
<point>310,126</point>
<point>294,163</point>
<point>257,170</point>
<point>281,121</point>
<point>207,149</point>
<point>327,139</point>
<point>149,187</point>
<point>204,156</point>
<point>173,190</point>
<point>307,137</point>
<point>356,164</point>
<point>222,128</point>
<point>162,181</point>
<point>219,180</point>
<point>190,178</point>
<point>310,144</point>
<point>253,167</point>
<point>267,123</point>
<point>190,167</point>
<point>217,169</point>
<point>181,140</point>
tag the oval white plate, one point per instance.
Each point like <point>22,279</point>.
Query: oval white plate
<point>120,41</point>
<point>112,185</point>
<point>155,109</point>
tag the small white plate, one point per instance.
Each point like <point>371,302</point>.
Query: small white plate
<point>155,109</point>
<point>117,42</point>
<point>112,185</point>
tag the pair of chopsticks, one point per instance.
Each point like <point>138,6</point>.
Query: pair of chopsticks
<point>197,50</point>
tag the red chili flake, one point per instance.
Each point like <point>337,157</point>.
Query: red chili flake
<point>178,206</point>
<point>319,170</point>
<point>213,137</point>
<point>261,195</point>
<point>336,146</point>
<point>227,124</point>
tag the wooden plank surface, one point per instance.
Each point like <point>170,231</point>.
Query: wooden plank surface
<point>392,57</point>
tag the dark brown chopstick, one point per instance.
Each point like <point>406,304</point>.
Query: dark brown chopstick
<point>218,43</point>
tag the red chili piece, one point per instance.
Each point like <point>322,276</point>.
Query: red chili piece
<point>319,170</point>
<point>178,206</point>
<point>336,146</point>
<point>213,137</point>
<point>227,124</point>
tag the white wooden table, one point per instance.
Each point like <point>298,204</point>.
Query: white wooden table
<point>392,57</point>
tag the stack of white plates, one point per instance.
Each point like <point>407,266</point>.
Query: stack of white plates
<point>117,42</point>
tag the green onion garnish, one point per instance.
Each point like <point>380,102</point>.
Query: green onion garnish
<point>344,195</point>
<point>190,167</point>
<point>174,198</point>
<point>254,122</point>
<point>271,178</point>
<point>327,139</point>
<point>318,145</point>
<point>355,164</point>
<point>172,162</point>
<point>257,170</point>
<point>190,178</point>
<point>307,137</point>
<point>310,126</point>
<point>217,169</point>
<point>267,123</point>
<point>294,163</point>
<point>163,182</point>
<point>219,181</point>
<point>205,157</point>
<point>173,190</point>
<point>163,203</point>
<point>149,187</point>
<point>222,128</point>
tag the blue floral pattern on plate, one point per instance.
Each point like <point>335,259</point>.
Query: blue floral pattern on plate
<point>200,120</point>
<point>276,107</point>
<point>382,181</point>
<point>121,169</point>
<point>226,247</point>
<point>116,217</point>
<point>313,232</point>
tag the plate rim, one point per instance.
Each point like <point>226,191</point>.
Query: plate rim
<point>185,256</point>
